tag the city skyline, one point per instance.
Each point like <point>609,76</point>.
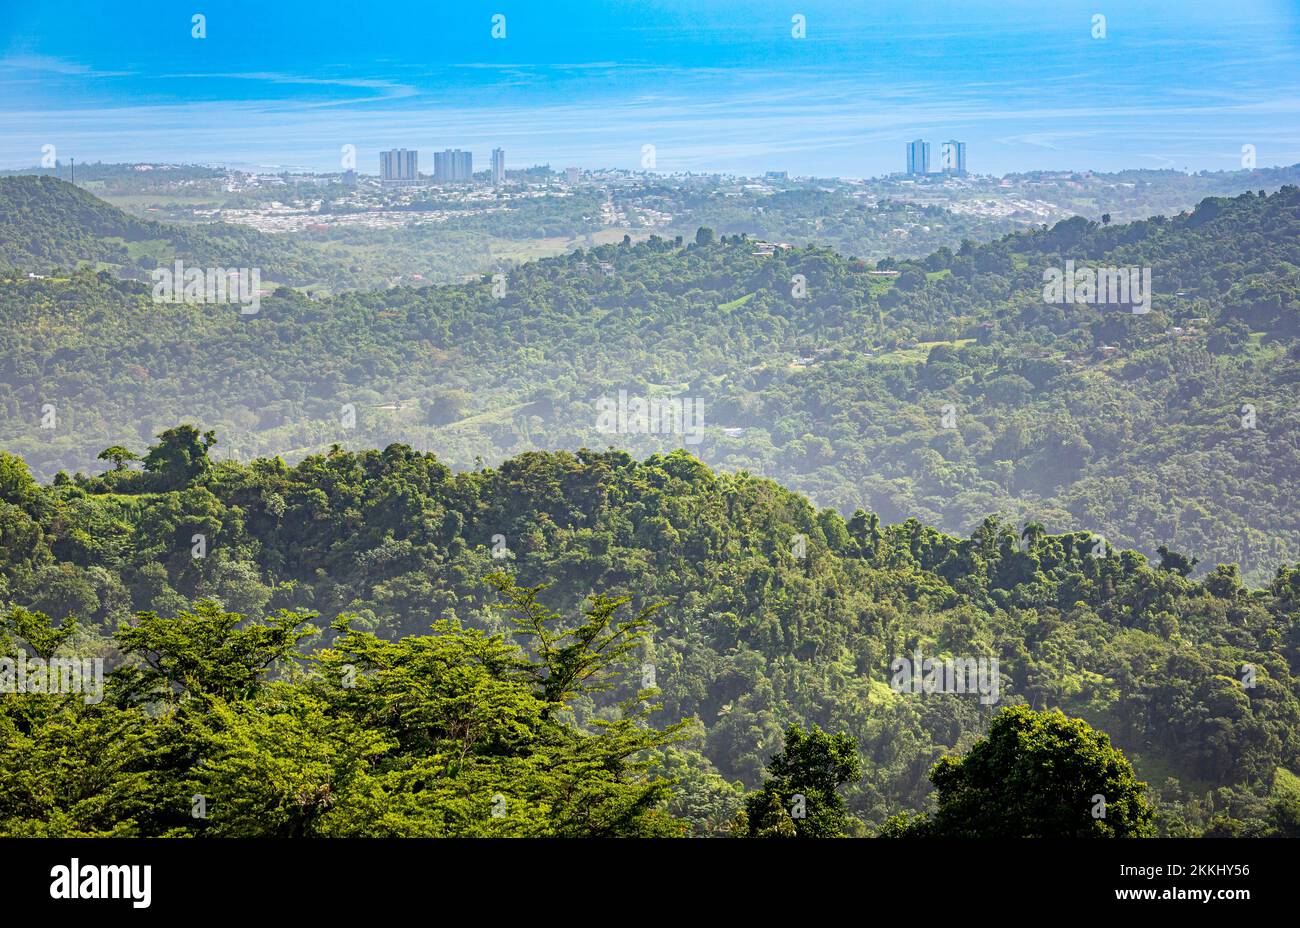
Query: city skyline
<point>952,158</point>
<point>62,170</point>
<point>710,89</point>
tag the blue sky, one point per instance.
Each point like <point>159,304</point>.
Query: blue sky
<point>712,85</point>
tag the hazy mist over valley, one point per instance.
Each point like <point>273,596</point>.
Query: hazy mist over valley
<point>651,421</point>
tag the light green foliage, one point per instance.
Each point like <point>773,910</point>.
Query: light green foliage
<point>219,726</point>
<point>700,606</point>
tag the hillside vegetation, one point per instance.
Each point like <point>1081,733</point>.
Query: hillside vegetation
<point>771,613</point>
<point>947,392</point>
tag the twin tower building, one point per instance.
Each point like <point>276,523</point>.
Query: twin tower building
<point>952,158</point>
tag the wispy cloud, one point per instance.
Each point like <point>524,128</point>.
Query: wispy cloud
<point>49,65</point>
<point>387,90</point>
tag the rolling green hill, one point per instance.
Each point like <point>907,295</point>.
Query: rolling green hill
<point>1178,426</point>
<point>46,224</point>
<point>773,613</point>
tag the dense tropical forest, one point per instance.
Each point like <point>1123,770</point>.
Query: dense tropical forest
<point>942,389</point>
<point>377,564</point>
<point>371,643</point>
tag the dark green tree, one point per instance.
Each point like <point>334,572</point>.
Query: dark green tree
<point>801,795</point>
<point>180,456</point>
<point>1175,562</point>
<point>1038,775</point>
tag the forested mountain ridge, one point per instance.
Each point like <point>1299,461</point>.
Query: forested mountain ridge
<point>1176,426</point>
<point>774,612</point>
<point>48,225</point>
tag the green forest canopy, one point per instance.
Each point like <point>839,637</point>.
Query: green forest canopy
<point>1175,427</point>
<point>748,631</point>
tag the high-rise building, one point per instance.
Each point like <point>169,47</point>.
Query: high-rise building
<point>571,175</point>
<point>498,167</point>
<point>399,166</point>
<point>918,157</point>
<point>452,166</point>
<point>952,157</point>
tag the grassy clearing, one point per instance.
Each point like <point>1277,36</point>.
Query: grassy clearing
<point>736,304</point>
<point>918,352</point>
